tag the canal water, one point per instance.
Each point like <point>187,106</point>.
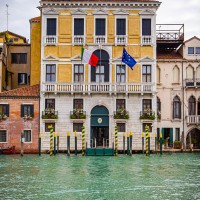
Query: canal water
<point>170,176</point>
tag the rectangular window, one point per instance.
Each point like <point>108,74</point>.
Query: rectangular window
<point>121,26</point>
<point>146,105</point>
<point>51,73</point>
<point>77,127</point>
<point>78,26</point>
<point>27,135</point>
<point>100,28</point>
<point>47,127</point>
<point>100,76</point>
<point>50,103</point>
<point>197,50</point>
<point>27,110</point>
<point>4,110</point>
<point>146,27</point>
<point>121,74</point>
<point>146,73</point>
<point>51,26</point>
<point>190,50</point>
<point>3,136</point>
<point>78,104</point>
<point>18,58</point>
<point>22,78</point>
<point>78,73</point>
<point>177,134</point>
<point>147,124</point>
<point>120,104</point>
<point>121,127</point>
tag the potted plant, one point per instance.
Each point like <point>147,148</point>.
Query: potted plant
<point>177,144</point>
<point>121,114</point>
<point>3,116</point>
<point>49,113</point>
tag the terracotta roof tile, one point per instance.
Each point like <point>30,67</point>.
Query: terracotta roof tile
<point>35,19</point>
<point>169,55</point>
<point>28,91</point>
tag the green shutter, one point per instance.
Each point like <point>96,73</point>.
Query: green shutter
<point>22,110</point>
<point>32,110</point>
<point>171,135</point>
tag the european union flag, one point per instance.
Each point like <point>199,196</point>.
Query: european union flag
<point>127,59</point>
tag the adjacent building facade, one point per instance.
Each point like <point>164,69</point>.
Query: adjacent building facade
<point>75,94</point>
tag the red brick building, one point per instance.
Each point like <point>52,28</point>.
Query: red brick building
<point>19,113</point>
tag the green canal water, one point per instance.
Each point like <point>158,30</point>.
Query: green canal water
<point>171,176</point>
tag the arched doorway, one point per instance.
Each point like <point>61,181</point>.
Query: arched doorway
<point>100,73</point>
<point>99,126</point>
<point>195,138</point>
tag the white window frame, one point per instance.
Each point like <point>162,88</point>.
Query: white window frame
<point>31,135</point>
<point>46,71</point>
<point>6,136</point>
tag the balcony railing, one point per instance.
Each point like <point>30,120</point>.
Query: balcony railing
<point>88,88</point>
<point>50,40</point>
<point>49,114</point>
<point>121,114</point>
<point>100,39</point>
<point>146,40</point>
<point>77,114</point>
<point>192,82</point>
<point>193,119</point>
<point>78,40</point>
<point>148,114</point>
<point>121,40</point>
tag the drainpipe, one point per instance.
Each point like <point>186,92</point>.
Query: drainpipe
<point>183,96</point>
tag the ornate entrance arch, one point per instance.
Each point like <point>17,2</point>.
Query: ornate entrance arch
<point>99,133</point>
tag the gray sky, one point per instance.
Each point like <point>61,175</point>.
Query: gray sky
<point>185,12</point>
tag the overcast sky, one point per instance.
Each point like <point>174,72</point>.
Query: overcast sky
<point>185,12</point>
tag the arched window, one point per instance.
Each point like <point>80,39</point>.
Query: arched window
<point>158,108</point>
<point>158,75</point>
<point>190,72</point>
<point>176,107</point>
<point>198,75</point>
<point>176,74</point>
<point>192,106</point>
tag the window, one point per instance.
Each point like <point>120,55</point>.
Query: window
<point>120,104</point>
<point>121,26</point>
<point>78,104</point>
<point>78,26</point>
<point>51,26</point>
<point>27,135</point>
<point>177,134</point>
<point>18,58</point>
<point>146,27</point>
<point>146,105</point>
<point>146,73</point>
<point>192,106</point>
<point>121,74</point>
<point>158,107</point>
<point>47,125</point>
<point>147,124</point>
<point>176,74</point>
<point>50,73</point>
<point>27,110</point>
<point>190,50</point>
<point>158,75</point>
<point>100,76</point>
<point>77,127</point>
<point>1,50</point>
<point>100,28</point>
<point>22,78</point>
<point>4,109</point>
<point>121,127</point>
<point>197,50</point>
<point>176,108</point>
<point>3,136</point>
<point>50,103</point>
<point>78,73</point>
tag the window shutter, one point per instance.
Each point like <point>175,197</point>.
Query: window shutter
<point>19,78</point>
<point>7,110</point>
<point>32,110</point>
<point>51,26</point>
<point>93,74</point>
<point>22,110</point>
<point>146,26</point>
<point>25,78</point>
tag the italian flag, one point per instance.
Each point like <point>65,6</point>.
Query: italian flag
<point>88,57</point>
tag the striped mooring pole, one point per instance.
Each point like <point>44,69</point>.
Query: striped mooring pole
<point>149,144</point>
<point>116,140</point>
<point>68,143</point>
<point>58,141</point>
<point>51,140</point>
<point>142,142</point>
<point>54,147</point>
<point>131,138</point>
<point>147,140</point>
<point>128,150</point>
<point>40,142</point>
<point>75,135</point>
<point>160,143</point>
<point>83,140</point>
<point>155,135</point>
<point>124,143</point>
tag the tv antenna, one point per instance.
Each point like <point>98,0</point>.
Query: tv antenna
<point>7,15</point>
